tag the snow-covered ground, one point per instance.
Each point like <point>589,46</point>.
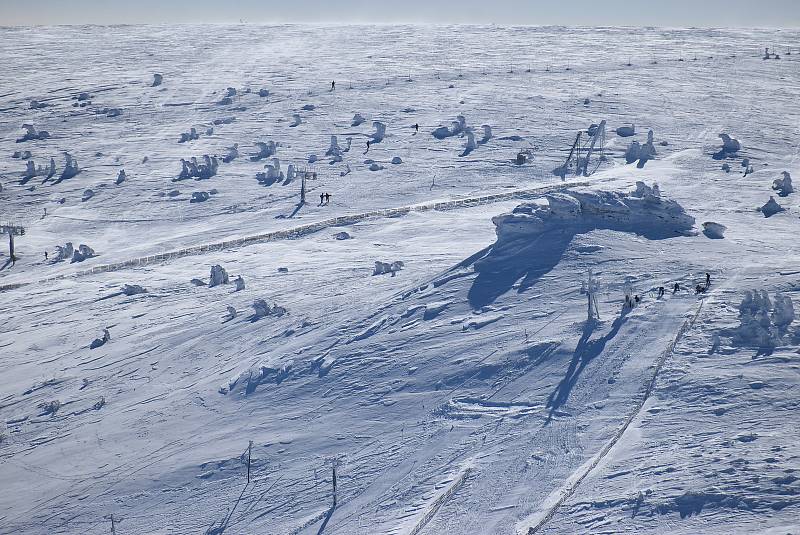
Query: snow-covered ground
<point>462,391</point>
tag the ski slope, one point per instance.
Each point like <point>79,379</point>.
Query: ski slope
<point>462,393</point>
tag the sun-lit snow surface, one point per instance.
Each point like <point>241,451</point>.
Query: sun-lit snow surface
<point>459,392</point>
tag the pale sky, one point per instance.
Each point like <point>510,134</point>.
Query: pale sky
<point>736,13</point>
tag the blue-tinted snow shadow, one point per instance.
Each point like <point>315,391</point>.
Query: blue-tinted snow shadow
<point>507,263</point>
<point>585,352</point>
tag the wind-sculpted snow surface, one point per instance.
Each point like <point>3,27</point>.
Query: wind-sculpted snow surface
<point>466,394</point>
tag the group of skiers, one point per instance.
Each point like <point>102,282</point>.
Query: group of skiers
<point>632,301</point>
<point>324,198</point>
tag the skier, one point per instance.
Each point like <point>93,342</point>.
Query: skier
<point>367,146</point>
<point>708,280</point>
<point>660,292</point>
<point>45,256</point>
<point>321,198</point>
<point>676,288</point>
<point>327,198</point>
<point>636,298</point>
<point>416,128</point>
<point>333,85</point>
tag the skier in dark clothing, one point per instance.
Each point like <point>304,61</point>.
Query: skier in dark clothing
<point>676,288</point>
<point>327,198</point>
<point>45,256</point>
<point>321,198</point>
<point>416,128</point>
<point>708,280</point>
<point>333,85</point>
<point>636,298</point>
<point>367,146</point>
<point>660,292</point>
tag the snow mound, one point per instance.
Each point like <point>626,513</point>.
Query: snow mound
<point>626,131</point>
<point>397,160</point>
<point>158,79</point>
<point>357,119</point>
<point>715,231</point>
<point>199,196</point>
<point>133,289</point>
<point>342,236</point>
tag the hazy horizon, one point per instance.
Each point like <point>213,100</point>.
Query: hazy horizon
<point>679,13</point>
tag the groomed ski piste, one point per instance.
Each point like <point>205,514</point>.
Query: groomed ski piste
<point>200,352</point>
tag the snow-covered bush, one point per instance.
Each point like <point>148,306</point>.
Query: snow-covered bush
<point>771,207</point>
<point>763,323</point>
<point>218,276</point>
<point>386,267</point>
<point>200,171</point>
<point>263,309</point>
<point>265,150</point>
<point>83,252</point>
<point>783,185</point>
<point>31,134</point>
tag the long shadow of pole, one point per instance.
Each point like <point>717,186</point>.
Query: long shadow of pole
<point>327,518</point>
<point>585,352</point>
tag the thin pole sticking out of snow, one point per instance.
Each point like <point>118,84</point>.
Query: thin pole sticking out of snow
<point>249,456</point>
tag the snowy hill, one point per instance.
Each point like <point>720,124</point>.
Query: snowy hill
<point>424,331</point>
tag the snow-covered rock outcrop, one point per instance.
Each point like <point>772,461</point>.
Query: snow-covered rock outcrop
<point>533,237</point>
<point>642,211</point>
